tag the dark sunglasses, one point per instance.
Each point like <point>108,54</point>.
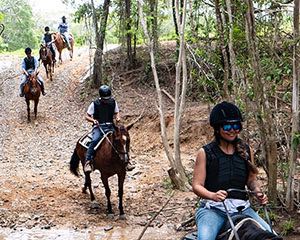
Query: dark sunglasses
<point>229,126</point>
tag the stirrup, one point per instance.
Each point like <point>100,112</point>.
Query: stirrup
<point>87,167</point>
<point>129,167</point>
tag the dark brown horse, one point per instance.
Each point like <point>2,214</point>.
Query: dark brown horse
<point>61,44</point>
<point>110,158</point>
<point>47,58</point>
<point>32,91</point>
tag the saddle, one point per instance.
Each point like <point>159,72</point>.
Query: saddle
<point>86,139</point>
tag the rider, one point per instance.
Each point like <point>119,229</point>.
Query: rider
<point>63,28</point>
<point>101,113</point>
<point>48,41</point>
<point>226,162</point>
<point>30,65</point>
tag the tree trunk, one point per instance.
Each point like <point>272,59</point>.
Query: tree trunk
<point>128,33</point>
<point>222,45</point>
<point>176,174</point>
<point>100,37</point>
<point>290,195</point>
<point>265,120</point>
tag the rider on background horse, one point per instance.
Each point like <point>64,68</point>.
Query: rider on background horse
<point>63,28</point>
<point>30,65</point>
<point>48,41</point>
<point>101,113</point>
<point>227,162</point>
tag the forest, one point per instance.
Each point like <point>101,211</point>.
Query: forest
<point>246,52</point>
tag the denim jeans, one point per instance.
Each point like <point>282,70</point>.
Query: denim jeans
<point>210,221</point>
<point>97,135</point>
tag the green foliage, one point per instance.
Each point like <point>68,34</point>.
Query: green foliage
<point>295,140</point>
<point>288,227</point>
<point>19,26</point>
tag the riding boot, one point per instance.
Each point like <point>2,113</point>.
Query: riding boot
<point>43,88</point>
<point>129,167</point>
<point>22,91</point>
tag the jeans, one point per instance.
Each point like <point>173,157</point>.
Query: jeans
<point>210,221</point>
<point>97,136</point>
<point>24,80</point>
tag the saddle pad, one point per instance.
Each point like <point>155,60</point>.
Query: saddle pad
<point>86,139</point>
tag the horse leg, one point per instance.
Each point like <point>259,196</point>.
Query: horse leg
<point>88,184</point>
<point>28,109</point>
<point>121,178</point>
<point>45,65</point>
<point>60,60</point>
<point>107,194</point>
<point>50,71</point>
<point>36,102</point>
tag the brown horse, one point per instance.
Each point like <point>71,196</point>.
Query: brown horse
<point>32,91</point>
<point>47,58</point>
<point>110,158</point>
<point>61,44</point>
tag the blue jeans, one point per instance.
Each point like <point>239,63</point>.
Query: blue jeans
<point>210,221</point>
<point>97,136</point>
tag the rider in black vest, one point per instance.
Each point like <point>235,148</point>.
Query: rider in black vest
<point>30,65</point>
<point>225,163</point>
<point>101,113</point>
<point>48,41</point>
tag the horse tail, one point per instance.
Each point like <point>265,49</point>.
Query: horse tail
<point>74,163</point>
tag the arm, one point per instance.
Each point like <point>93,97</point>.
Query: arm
<point>117,113</point>
<point>89,114</point>
<point>254,185</point>
<point>23,68</point>
<point>199,180</point>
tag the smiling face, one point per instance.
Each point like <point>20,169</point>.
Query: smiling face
<point>230,131</point>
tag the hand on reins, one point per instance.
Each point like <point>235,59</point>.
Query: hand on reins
<point>219,196</point>
<point>95,122</point>
<point>262,198</point>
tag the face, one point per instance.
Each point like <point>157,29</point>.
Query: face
<point>229,131</point>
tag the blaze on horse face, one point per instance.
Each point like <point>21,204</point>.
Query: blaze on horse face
<point>122,143</point>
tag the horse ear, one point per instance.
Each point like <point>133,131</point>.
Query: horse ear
<point>129,126</point>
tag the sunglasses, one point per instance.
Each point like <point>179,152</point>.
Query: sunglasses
<point>229,126</point>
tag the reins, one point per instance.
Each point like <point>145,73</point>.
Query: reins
<point>113,147</point>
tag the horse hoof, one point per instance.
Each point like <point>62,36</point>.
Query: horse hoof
<point>110,216</point>
<point>122,217</point>
<point>95,205</point>
<point>83,190</point>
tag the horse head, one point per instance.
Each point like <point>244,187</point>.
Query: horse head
<point>121,142</point>
<point>43,52</point>
<point>32,79</point>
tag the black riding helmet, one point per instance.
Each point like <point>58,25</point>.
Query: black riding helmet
<point>224,112</point>
<point>105,92</point>
<point>27,50</point>
<point>63,18</point>
<point>47,29</point>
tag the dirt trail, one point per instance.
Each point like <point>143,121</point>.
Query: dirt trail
<point>39,198</point>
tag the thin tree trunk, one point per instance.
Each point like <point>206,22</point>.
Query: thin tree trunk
<point>265,120</point>
<point>290,195</point>
<point>128,33</point>
<point>100,37</point>
<point>223,48</point>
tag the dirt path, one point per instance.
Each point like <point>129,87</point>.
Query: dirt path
<point>40,198</point>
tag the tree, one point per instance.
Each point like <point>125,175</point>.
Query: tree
<point>295,111</point>
<point>177,173</point>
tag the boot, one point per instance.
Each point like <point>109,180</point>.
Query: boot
<point>22,92</point>
<point>87,166</point>
<point>43,89</point>
<point>129,167</point>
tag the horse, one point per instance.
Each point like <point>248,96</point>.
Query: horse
<point>47,58</point>
<point>110,158</point>
<point>32,91</point>
<point>61,44</point>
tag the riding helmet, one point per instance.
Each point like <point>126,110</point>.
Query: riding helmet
<point>47,29</point>
<point>224,112</point>
<point>105,92</point>
<point>63,18</point>
<point>27,50</point>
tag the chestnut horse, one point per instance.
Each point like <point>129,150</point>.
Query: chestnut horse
<point>110,158</point>
<point>32,91</point>
<point>47,58</point>
<point>61,44</point>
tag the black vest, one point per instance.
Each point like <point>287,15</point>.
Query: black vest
<point>225,171</point>
<point>104,110</point>
<point>47,37</point>
<point>29,63</point>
